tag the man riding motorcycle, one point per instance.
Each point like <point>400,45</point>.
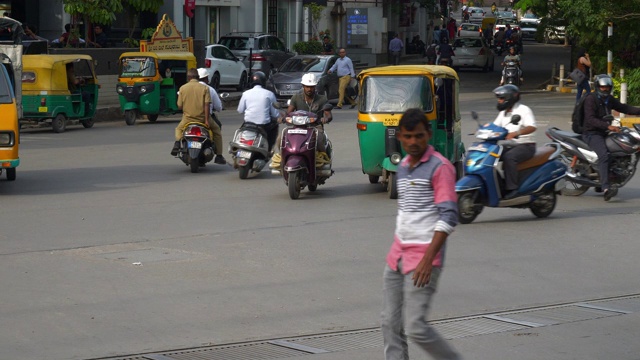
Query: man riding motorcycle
<point>445,53</point>
<point>511,57</point>
<point>520,133</point>
<point>596,127</point>
<point>257,106</point>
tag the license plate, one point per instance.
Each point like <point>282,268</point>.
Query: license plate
<point>297,131</point>
<point>243,154</point>
<point>391,122</point>
<point>194,145</point>
<point>290,92</point>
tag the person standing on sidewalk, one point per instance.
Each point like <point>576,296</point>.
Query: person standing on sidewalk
<point>344,68</point>
<point>427,214</point>
<point>395,46</point>
<point>584,64</point>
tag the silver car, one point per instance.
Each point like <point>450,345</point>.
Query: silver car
<point>472,52</point>
<point>258,52</point>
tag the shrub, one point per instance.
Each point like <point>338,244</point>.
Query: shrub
<point>308,47</point>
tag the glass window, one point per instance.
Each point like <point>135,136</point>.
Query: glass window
<point>396,94</point>
<point>228,54</point>
<point>304,65</point>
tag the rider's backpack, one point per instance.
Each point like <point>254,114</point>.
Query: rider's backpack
<point>577,118</point>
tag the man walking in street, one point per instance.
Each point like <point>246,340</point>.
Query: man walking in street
<point>395,46</point>
<point>427,214</point>
<point>344,68</point>
<point>194,100</point>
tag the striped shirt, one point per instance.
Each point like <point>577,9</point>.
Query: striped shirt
<point>427,202</point>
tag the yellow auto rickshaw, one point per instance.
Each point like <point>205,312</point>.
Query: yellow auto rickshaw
<point>10,96</point>
<point>148,82</point>
<point>385,94</point>
<point>59,89</point>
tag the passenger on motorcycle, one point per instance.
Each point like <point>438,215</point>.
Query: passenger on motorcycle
<point>194,101</point>
<point>512,56</point>
<point>215,125</point>
<point>445,52</point>
<point>520,134</point>
<point>499,37</point>
<point>596,127</point>
<point>257,106</point>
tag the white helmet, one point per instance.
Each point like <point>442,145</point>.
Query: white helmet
<point>309,79</point>
<point>202,73</point>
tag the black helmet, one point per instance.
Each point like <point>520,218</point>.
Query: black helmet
<point>510,93</point>
<point>258,78</point>
<point>603,80</point>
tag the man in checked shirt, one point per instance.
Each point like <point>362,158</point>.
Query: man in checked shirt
<point>427,214</point>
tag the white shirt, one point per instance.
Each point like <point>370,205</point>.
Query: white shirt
<point>216,104</point>
<point>526,119</point>
<point>257,105</point>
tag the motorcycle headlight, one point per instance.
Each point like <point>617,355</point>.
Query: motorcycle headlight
<point>143,89</point>
<point>6,139</point>
<point>300,120</point>
<point>120,89</point>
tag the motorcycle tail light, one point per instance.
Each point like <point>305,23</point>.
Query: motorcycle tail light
<point>247,141</point>
<point>195,131</point>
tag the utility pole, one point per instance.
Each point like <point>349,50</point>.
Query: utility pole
<point>609,52</point>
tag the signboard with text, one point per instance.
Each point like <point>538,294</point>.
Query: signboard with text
<point>167,38</point>
<point>357,26</point>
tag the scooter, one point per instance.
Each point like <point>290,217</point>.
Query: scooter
<point>483,183</point>
<point>298,149</point>
<point>581,160</point>
<point>249,149</point>
<point>512,73</point>
<point>196,147</point>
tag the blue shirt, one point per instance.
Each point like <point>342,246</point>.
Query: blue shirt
<point>257,105</point>
<point>396,44</point>
<point>344,67</point>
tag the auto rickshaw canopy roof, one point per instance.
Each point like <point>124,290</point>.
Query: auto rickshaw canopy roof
<point>50,71</point>
<point>404,70</point>
<point>163,55</point>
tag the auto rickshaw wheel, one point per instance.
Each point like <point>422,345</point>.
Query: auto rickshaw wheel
<point>294,185</point>
<point>392,186</point>
<point>59,123</point>
<point>130,117</point>
<point>88,123</point>
<point>374,179</point>
<point>152,118</point>
<point>11,174</point>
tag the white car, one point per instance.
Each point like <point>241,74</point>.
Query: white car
<point>472,52</point>
<point>469,29</point>
<point>476,14</point>
<point>224,68</point>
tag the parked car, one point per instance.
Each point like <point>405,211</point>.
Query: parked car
<point>476,14</point>
<point>285,82</point>
<point>469,29</point>
<point>554,34</point>
<point>224,68</point>
<point>528,30</point>
<point>258,52</point>
<point>502,23</point>
<point>472,52</point>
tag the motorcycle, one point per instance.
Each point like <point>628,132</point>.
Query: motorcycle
<point>498,48</point>
<point>483,183</point>
<point>249,149</point>
<point>298,148</point>
<point>196,147</point>
<point>512,73</point>
<point>581,160</point>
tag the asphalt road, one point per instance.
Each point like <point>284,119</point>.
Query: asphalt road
<point>109,246</point>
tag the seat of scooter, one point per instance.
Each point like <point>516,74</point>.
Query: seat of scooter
<point>540,157</point>
<point>570,137</point>
<point>253,127</point>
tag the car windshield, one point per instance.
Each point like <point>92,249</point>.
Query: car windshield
<point>6,91</point>
<point>528,25</point>
<point>304,65</point>
<point>234,43</point>
<point>392,94</point>
<point>137,67</point>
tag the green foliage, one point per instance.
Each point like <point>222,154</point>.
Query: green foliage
<point>311,47</point>
<point>632,78</point>
<point>92,11</point>
<point>315,11</point>
<point>135,7</point>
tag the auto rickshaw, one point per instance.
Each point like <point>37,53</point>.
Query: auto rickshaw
<point>385,94</point>
<point>59,89</point>
<point>10,95</point>
<point>148,82</point>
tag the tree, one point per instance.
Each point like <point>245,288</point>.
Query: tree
<point>135,7</point>
<point>315,12</point>
<point>101,12</point>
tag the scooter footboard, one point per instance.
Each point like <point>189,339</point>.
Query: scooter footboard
<point>470,182</point>
<point>544,177</point>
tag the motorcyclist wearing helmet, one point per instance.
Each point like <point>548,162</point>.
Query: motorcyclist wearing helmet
<point>309,100</point>
<point>512,56</point>
<point>445,53</point>
<point>257,104</point>
<point>596,126</point>
<point>520,133</point>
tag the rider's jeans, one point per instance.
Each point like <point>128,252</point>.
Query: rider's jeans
<point>405,315</point>
<point>511,157</point>
<point>597,143</point>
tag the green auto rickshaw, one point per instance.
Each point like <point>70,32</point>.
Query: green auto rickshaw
<point>385,94</point>
<point>59,88</point>
<point>148,82</point>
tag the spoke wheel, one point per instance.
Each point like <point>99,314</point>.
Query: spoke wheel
<point>392,186</point>
<point>130,117</point>
<point>467,209</point>
<point>294,185</point>
<point>59,123</point>
<point>544,204</point>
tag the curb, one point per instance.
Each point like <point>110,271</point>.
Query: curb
<point>629,121</point>
<point>562,89</point>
